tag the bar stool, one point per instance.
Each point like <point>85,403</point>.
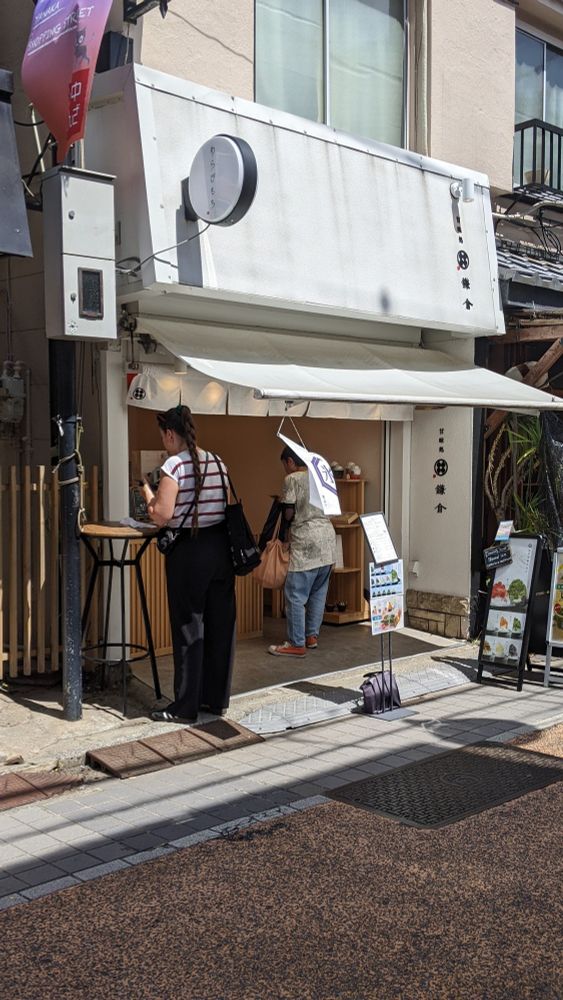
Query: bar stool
<point>110,532</point>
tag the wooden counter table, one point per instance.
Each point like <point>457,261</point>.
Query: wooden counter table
<point>250,603</point>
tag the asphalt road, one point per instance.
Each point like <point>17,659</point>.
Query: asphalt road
<point>334,902</point>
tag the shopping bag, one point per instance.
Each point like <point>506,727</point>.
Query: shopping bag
<point>380,693</point>
<point>274,564</point>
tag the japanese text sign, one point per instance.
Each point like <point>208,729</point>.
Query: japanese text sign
<point>59,64</point>
<point>322,487</point>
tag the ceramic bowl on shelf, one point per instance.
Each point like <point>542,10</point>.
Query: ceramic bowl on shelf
<point>330,607</point>
<point>341,606</point>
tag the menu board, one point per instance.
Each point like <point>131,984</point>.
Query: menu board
<point>378,538</point>
<point>386,587</point>
<point>508,621</point>
<point>555,614</point>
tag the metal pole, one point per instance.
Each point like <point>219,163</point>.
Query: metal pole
<point>63,409</point>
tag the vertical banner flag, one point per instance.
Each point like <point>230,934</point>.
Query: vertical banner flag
<point>322,487</point>
<point>59,64</point>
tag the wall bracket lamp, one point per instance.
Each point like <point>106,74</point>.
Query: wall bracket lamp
<point>133,9</point>
<point>464,189</point>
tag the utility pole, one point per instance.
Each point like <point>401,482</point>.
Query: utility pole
<point>62,367</point>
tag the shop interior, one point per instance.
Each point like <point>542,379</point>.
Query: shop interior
<point>251,450</point>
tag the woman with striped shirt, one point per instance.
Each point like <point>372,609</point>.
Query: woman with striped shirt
<point>199,571</point>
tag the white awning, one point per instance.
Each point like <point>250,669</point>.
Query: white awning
<point>289,367</point>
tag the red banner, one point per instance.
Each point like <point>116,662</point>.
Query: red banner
<point>59,64</point>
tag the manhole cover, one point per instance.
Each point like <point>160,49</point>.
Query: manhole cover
<point>453,785</point>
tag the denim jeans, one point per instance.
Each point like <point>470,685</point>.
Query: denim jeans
<point>305,596</point>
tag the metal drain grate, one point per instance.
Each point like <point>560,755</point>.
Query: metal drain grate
<point>453,785</point>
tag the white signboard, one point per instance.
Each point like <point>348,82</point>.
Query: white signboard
<point>555,615</point>
<point>387,612</point>
<point>378,538</point>
<point>322,487</point>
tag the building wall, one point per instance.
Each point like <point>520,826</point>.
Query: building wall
<point>471,85</point>
<point>211,44</point>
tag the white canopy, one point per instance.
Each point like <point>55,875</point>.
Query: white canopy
<point>289,367</point>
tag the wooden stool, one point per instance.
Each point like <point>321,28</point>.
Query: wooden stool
<point>110,532</point>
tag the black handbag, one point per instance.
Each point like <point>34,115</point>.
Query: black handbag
<point>167,538</point>
<point>380,693</point>
<point>244,550</point>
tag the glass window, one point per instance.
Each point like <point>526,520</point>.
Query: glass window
<point>366,57</point>
<point>554,86</point>
<point>289,56</point>
<point>349,51</point>
<point>529,77</point>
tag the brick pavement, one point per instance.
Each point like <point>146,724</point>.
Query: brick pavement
<point>113,824</point>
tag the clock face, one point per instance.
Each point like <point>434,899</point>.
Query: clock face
<point>218,178</point>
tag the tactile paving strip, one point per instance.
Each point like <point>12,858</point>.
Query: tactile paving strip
<point>451,786</point>
<point>223,734</point>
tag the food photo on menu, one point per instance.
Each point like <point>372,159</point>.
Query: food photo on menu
<point>511,585</point>
<point>502,650</point>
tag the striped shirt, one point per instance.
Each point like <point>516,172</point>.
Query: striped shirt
<point>211,506</point>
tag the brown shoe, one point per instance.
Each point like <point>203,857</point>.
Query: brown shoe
<point>286,649</point>
<point>311,642</point>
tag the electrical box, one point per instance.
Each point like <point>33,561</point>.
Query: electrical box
<point>79,252</point>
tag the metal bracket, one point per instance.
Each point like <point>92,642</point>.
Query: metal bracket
<point>133,9</point>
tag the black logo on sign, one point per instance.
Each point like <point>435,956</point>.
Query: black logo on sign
<point>440,467</point>
<point>138,393</point>
<point>463,260</point>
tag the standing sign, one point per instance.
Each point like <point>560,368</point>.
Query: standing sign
<point>386,592</point>
<point>378,538</point>
<point>322,487</point>
<point>59,64</point>
<point>555,612</point>
<point>508,618</point>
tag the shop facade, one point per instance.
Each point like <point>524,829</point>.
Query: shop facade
<point>348,298</point>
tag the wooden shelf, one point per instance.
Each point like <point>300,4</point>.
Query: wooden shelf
<point>344,617</point>
<point>347,582</point>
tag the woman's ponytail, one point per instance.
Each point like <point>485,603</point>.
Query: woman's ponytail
<point>190,438</point>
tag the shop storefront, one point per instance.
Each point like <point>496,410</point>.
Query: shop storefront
<point>348,297</point>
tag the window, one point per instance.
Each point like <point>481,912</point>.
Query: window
<point>335,61</point>
<point>539,80</point>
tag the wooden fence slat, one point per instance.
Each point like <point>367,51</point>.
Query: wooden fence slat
<point>95,516</point>
<point>13,578</point>
<point>54,573</point>
<point>1,576</point>
<point>27,616</point>
<point>41,570</point>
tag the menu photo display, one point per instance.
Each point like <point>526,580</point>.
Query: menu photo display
<point>510,594</point>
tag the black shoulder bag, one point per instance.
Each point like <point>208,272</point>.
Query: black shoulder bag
<point>244,550</point>
<point>167,537</point>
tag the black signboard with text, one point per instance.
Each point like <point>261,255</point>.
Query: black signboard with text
<point>510,603</point>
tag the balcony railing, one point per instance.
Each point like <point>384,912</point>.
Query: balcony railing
<point>538,155</point>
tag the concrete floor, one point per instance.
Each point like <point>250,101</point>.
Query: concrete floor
<point>340,647</point>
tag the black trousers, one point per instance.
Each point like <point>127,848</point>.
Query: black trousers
<point>201,601</point>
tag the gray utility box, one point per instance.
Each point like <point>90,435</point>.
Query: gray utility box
<point>79,246</point>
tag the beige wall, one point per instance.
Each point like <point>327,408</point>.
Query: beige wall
<point>471,85</point>
<point>251,450</point>
<point>211,43</point>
